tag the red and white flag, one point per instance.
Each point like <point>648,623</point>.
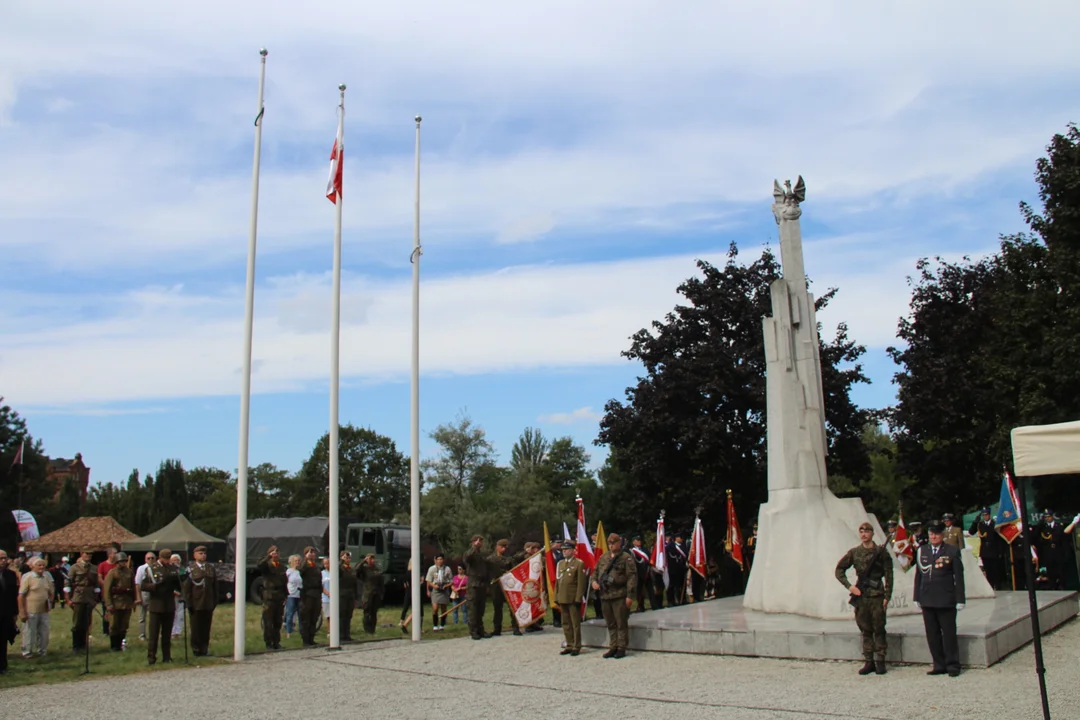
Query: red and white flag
<point>697,549</point>
<point>584,549</point>
<point>337,163</point>
<point>523,588</point>
<point>901,545</point>
<point>18,454</point>
<point>658,559</point>
<point>734,534</point>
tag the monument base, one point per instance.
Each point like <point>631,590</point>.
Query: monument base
<point>989,629</point>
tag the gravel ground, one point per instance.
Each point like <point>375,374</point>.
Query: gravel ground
<point>512,677</point>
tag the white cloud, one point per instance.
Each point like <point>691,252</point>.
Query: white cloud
<point>581,415</point>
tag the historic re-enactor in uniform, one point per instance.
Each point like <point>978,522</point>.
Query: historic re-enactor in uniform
<point>118,594</point>
<point>274,591</point>
<point>870,595</point>
<point>992,548</point>
<point>163,585</point>
<point>953,535</point>
<point>82,582</point>
<point>500,564</point>
<point>347,581</point>
<point>200,599</point>
<point>477,568</point>
<point>569,590</point>
<point>615,581</point>
<point>370,576</point>
<point>939,593</point>
<point>310,595</point>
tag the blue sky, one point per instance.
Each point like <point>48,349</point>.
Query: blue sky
<point>577,158</point>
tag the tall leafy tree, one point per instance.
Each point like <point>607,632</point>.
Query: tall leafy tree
<point>694,424</point>
<point>529,451</point>
<point>463,449</point>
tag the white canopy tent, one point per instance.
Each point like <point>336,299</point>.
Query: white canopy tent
<point>1046,449</point>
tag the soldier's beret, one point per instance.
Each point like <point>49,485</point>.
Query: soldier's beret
<point>614,537</point>
<point>937,528</point>
<point>200,548</point>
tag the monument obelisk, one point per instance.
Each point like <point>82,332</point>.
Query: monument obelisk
<point>804,529</point>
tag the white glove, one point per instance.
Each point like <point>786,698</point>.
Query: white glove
<point>1076,519</point>
<point>918,606</point>
<point>959,606</point>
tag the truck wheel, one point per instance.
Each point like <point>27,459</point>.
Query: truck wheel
<point>255,591</point>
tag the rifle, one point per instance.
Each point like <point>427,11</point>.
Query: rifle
<point>863,581</point>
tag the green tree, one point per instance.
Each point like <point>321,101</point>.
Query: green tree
<point>694,424</point>
<point>565,471</point>
<point>463,448</point>
<point>373,477</point>
<point>529,451</point>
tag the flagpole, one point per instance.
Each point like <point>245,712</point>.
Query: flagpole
<point>240,584</point>
<point>414,462</point>
<point>335,369</point>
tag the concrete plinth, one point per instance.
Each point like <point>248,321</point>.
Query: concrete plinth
<point>989,629</point>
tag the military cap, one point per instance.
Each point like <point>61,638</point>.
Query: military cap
<point>866,526</point>
<point>636,537</point>
<point>614,537</point>
<point>503,543</point>
<point>914,524</point>
<point>985,511</point>
<point>121,557</point>
<point>936,528</point>
<point>569,545</point>
<point>891,523</point>
<point>947,516</point>
<point>200,548</point>
<point>1048,512</point>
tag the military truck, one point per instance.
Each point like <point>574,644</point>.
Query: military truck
<point>392,546</point>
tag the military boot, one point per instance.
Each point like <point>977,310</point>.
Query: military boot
<point>610,653</point>
<point>879,667</point>
<point>867,668</point>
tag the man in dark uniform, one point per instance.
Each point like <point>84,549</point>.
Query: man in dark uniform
<point>641,562</point>
<point>570,582</point>
<point>992,548</point>
<point>915,532</point>
<point>274,591</point>
<point>500,563</point>
<point>9,608</point>
<point>200,599</point>
<point>676,559</point>
<point>939,593</point>
<point>163,585</point>
<point>347,582</point>
<point>750,547</point>
<point>476,567</point>
<point>310,595</point>
<point>82,582</point>
<point>615,581</point>
<point>370,576</point>
<point>870,595</point>
<point>890,532</point>
<point>118,594</point>
<point>1050,545</point>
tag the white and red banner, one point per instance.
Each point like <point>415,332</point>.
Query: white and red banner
<point>697,549</point>
<point>584,549</point>
<point>658,559</point>
<point>337,165</point>
<point>901,546</point>
<point>523,587</point>
<point>28,527</point>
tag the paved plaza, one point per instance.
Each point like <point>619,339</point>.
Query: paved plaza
<point>511,677</point>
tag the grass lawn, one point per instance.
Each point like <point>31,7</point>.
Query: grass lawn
<point>61,664</point>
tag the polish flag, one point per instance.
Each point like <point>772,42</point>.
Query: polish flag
<point>337,164</point>
<point>697,549</point>
<point>584,549</point>
<point>658,560</point>
<point>901,546</point>
<point>734,533</point>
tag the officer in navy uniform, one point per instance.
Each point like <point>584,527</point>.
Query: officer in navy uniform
<point>939,593</point>
<point>677,567</point>
<point>1050,545</point>
<point>641,562</point>
<point>992,547</point>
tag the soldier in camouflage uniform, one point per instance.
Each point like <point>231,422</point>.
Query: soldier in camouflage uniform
<point>274,591</point>
<point>615,582</point>
<point>479,572</point>
<point>499,564</point>
<point>870,595</point>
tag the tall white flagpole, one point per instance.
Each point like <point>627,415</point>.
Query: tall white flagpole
<point>335,352</point>
<point>240,587</point>
<point>414,464</point>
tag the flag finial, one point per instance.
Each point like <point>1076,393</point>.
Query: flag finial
<point>341,87</point>
<point>418,119</point>
<point>264,52</point>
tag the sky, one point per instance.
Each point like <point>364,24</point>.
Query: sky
<point>577,158</point>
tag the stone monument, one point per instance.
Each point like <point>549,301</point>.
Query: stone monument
<point>804,529</point>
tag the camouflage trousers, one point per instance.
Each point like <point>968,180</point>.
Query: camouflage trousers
<point>870,617</point>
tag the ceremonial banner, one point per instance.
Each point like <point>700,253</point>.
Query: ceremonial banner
<point>734,534</point>
<point>584,549</point>
<point>658,559</point>
<point>901,546</point>
<point>522,587</point>
<point>697,549</point>
<point>1008,523</point>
